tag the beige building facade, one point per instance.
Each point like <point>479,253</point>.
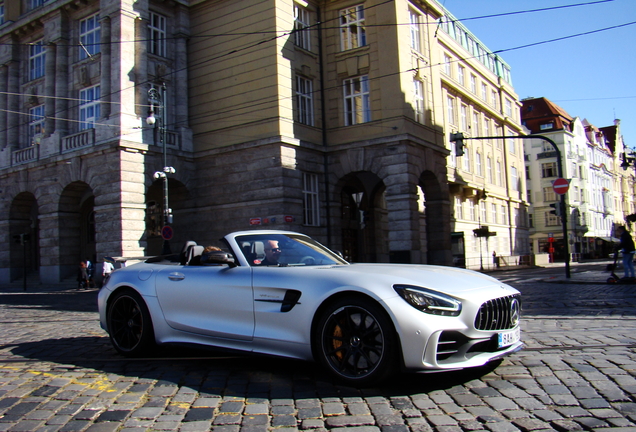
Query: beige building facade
<point>327,118</point>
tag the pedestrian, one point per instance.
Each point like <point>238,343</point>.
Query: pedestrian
<point>626,246</point>
<point>82,276</point>
<point>495,260</point>
<point>107,269</point>
<point>89,273</point>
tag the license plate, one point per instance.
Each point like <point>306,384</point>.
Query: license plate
<point>508,338</point>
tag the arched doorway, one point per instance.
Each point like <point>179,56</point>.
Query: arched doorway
<point>24,231</point>
<point>76,227</point>
<point>363,218</point>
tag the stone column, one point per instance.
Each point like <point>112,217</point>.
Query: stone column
<point>13,106</point>
<point>3,106</point>
<point>106,61</point>
<point>61,87</point>
<point>49,90</point>
<point>401,203</point>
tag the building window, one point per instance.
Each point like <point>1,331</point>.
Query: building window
<point>37,58</point>
<point>450,109</point>
<point>499,174</point>
<point>508,108</point>
<point>90,35</point>
<point>484,92</point>
<point>1,13</point>
<point>415,30</point>
<point>357,101</point>
<point>475,129</point>
<point>504,216</point>
<point>493,98</point>
<point>478,165</point>
<point>89,109</point>
<point>461,74</point>
<point>447,64</point>
<point>483,211</point>
<point>36,3</point>
<point>418,100</point>
<point>471,210</point>
<point>548,169</point>
<point>493,213</point>
<point>157,35</point>
<point>467,161</point>
<point>463,112</point>
<point>514,179</point>
<point>489,170</point>
<point>473,84</point>
<point>302,36</point>
<point>352,29</point>
<point>548,194</point>
<point>459,213</point>
<point>546,126</point>
<point>36,123</point>
<point>310,200</point>
<point>304,101</point>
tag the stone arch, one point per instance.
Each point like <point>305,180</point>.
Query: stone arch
<point>363,217</point>
<point>76,235</point>
<point>179,200</point>
<point>24,235</point>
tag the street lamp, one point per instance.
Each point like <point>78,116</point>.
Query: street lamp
<point>156,118</point>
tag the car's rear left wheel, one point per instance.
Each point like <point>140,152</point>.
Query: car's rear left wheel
<point>355,340</point>
<point>129,324</point>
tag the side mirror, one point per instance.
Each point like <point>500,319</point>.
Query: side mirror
<point>218,257</point>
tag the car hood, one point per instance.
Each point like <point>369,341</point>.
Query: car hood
<point>450,280</point>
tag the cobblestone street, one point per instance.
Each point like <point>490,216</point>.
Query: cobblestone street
<point>58,372</point>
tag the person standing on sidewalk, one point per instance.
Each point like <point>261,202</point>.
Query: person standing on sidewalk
<point>627,247</point>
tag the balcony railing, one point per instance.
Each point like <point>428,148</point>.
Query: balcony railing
<point>27,154</point>
<point>81,139</point>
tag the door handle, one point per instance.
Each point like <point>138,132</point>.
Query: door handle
<point>176,276</point>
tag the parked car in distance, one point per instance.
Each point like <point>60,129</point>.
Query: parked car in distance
<point>282,293</point>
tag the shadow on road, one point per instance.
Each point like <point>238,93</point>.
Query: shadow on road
<point>68,300</point>
<point>223,373</point>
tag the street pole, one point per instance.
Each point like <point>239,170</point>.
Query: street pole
<point>158,99</point>
<point>459,137</point>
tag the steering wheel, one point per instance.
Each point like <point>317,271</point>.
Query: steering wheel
<point>308,260</point>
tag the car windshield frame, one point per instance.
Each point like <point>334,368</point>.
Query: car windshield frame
<point>296,250</point>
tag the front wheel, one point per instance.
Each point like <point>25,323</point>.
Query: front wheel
<point>355,340</point>
<point>129,324</point>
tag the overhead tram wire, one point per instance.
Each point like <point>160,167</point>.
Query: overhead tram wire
<point>287,33</point>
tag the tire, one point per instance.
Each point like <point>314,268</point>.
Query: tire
<point>129,324</point>
<point>355,340</point>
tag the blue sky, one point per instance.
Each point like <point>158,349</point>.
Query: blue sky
<point>591,76</point>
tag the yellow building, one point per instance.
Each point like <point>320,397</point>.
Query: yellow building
<point>328,118</point>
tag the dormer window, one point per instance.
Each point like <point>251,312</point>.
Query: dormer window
<point>546,126</point>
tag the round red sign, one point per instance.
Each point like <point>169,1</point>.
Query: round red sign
<point>561,186</point>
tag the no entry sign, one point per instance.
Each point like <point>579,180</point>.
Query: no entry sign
<point>561,186</point>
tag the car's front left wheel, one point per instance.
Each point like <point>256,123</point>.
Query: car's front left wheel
<point>355,340</point>
<point>129,324</point>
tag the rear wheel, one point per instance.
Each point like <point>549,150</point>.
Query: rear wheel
<point>129,324</point>
<point>355,340</point>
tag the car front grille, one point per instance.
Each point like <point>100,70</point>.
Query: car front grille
<point>499,314</point>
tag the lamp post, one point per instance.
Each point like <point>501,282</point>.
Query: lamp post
<point>156,118</point>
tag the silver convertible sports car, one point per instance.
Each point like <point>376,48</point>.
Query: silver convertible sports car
<point>282,293</point>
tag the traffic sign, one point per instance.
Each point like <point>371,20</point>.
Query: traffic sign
<point>561,186</point>
<point>167,232</point>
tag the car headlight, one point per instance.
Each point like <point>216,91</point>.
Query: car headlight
<point>429,301</point>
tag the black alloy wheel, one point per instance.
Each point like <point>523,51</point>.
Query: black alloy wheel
<point>356,341</point>
<point>129,324</point>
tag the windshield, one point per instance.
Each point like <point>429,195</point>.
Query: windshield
<point>285,250</point>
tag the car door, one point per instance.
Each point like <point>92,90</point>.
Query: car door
<point>211,300</point>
